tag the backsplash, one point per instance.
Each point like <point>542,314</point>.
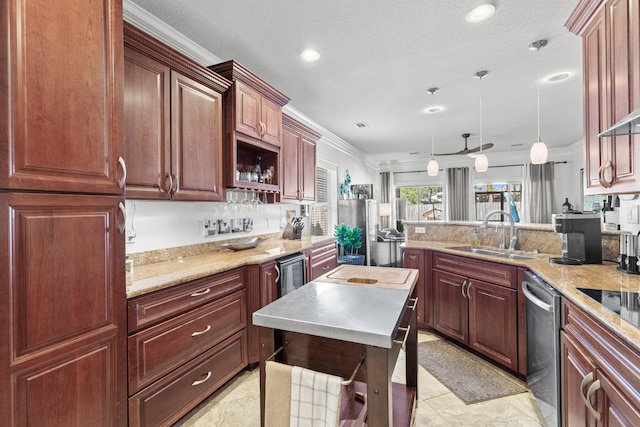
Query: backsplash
<point>532,237</point>
<point>159,225</point>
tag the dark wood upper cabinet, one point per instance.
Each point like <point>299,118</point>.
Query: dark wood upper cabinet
<point>298,161</point>
<point>610,31</point>
<point>61,97</point>
<point>173,123</point>
<point>252,126</point>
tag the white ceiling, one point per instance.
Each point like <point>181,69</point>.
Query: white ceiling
<point>380,56</point>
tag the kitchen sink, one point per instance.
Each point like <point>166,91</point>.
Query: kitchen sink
<point>492,252</point>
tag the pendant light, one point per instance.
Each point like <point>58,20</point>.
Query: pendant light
<point>539,152</point>
<point>432,167</point>
<point>481,163</point>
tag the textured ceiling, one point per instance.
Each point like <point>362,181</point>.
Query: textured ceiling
<point>380,56</point>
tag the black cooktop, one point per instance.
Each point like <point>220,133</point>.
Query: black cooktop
<point>625,304</point>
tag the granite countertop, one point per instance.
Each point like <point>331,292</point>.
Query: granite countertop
<point>160,275</point>
<point>351,303</point>
<point>566,279</point>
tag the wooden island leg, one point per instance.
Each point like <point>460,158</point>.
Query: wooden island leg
<point>379,390</point>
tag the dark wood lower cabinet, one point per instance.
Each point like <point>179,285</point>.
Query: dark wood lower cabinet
<point>194,339</point>
<point>62,310</point>
<point>600,374</point>
<point>476,303</point>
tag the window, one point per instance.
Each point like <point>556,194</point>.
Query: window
<point>490,197</point>
<point>423,202</point>
<point>321,218</point>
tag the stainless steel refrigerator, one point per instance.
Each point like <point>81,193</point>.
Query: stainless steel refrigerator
<point>362,213</point>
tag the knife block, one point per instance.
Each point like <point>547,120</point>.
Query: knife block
<point>290,234</point>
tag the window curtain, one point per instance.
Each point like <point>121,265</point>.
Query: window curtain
<point>457,194</point>
<point>387,196</point>
<point>539,193</point>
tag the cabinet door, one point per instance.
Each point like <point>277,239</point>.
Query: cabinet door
<point>147,127</point>
<point>248,110</point>
<point>595,100</point>
<point>271,117</point>
<point>617,409</point>
<point>620,75</point>
<point>268,283</point>
<point>61,96</point>
<point>62,310</point>
<point>493,320</point>
<point>308,169</point>
<point>415,258</point>
<point>451,311</point>
<point>575,366</point>
<point>196,141</point>
<point>291,165</point>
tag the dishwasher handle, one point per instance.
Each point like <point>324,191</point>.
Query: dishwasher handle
<point>531,297</point>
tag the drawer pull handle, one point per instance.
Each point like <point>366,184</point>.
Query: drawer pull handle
<point>326,267</point>
<point>463,285</point>
<point>414,302</point>
<point>603,181</point>
<point>124,217</point>
<point>468,291</point>
<point>204,331</point>
<point>198,382</point>
<point>406,335</point>
<point>583,395</point>
<point>200,293</point>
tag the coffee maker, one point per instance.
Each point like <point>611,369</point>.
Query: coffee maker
<point>580,236</point>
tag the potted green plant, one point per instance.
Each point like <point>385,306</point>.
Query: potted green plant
<point>350,240</point>
<point>345,186</point>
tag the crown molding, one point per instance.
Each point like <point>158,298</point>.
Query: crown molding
<point>329,138</point>
<point>140,18</point>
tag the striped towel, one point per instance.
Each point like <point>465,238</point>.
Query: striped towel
<point>315,399</point>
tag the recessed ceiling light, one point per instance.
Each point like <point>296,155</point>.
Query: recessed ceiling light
<point>310,55</point>
<point>558,77</point>
<point>361,125</point>
<point>433,109</point>
<point>481,12</point>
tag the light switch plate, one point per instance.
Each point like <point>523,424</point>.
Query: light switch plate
<point>632,214</point>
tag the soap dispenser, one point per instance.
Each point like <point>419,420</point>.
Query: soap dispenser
<point>475,240</point>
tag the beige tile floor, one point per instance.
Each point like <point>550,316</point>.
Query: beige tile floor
<point>238,404</point>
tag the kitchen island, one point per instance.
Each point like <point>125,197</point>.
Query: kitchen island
<point>331,324</point>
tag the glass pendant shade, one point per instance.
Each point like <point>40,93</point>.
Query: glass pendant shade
<point>482,163</point>
<point>539,153</point>
<point>432,167</point>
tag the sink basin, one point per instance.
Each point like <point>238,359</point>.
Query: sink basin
<point>491,252</point>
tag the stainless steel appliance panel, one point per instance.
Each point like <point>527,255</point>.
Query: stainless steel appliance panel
<point>292,273</point>
<point>364,214</point>
<point>543,345</point>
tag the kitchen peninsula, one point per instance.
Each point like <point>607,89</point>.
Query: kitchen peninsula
<point>350,314</point>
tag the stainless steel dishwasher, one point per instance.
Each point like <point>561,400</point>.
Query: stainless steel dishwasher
<point>543,345</point>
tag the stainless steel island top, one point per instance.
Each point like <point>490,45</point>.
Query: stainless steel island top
<point>349,312</point>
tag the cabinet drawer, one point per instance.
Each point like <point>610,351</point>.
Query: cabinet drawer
<point>152,308</point>
<point>156,351</point>
<point>324,249</point>
<point>322,265</point>
<point>493,272</point>
<point>166,401</point>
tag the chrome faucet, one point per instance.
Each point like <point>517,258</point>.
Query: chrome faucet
<point>513,238</point>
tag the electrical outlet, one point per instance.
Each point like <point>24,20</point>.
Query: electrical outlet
<point>632,214</point>
<point>420,230</point>
<point>131,234</point>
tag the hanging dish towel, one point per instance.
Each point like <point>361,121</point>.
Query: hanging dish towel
<point>315,399</point>
<point>277,396</point>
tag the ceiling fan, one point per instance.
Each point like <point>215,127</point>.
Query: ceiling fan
<point>467,150</point>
